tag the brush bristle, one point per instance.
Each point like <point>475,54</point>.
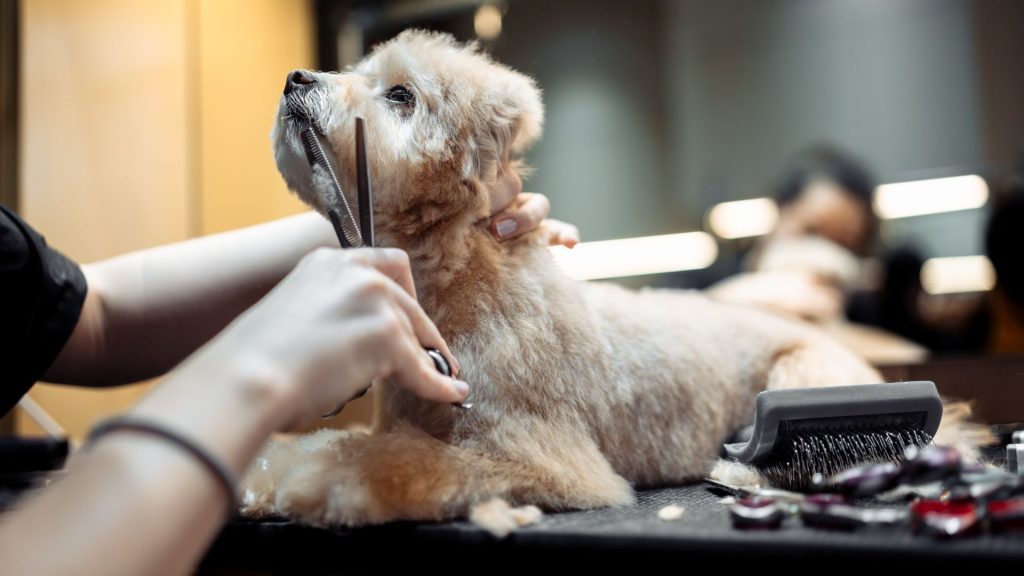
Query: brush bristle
<point>800,456</point>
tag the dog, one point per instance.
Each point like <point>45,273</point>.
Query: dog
<point>581,391</point>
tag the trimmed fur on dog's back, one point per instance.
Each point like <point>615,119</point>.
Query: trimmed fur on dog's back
<point>580,391</point>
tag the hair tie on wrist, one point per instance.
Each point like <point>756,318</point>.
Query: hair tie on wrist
<point>219,471</point>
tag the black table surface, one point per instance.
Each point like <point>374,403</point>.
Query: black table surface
<point>630,536</point>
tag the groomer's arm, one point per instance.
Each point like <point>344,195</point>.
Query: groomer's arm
<point>138,504</point>
<point>146,311</point>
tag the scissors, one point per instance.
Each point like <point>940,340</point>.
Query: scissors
<point>353,233</point>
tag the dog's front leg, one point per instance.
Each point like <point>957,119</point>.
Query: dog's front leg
<point>339,478</point>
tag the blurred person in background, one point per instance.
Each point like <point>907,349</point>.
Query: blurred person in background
<point>813,259</point>
<point>971,323</point>
<point>819,259</point>
<point>1003,241</point>
<point>823,263</point>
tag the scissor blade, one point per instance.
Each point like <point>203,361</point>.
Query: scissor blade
<point>363,185</point>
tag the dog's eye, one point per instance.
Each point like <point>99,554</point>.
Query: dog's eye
<point>400,95</point>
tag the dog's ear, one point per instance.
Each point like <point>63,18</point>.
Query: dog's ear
<point>507,118</point>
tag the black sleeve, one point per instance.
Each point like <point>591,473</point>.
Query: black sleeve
<point>41,297</point>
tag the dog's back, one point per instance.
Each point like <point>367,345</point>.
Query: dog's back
<point>657,379</point>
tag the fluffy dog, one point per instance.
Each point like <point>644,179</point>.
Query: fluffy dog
<point>580,391</point>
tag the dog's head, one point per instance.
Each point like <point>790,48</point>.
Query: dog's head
<point>445,125</point>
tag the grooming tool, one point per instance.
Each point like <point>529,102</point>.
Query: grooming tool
<point>1015,458</point>
<point>348,231</point>
<point>932,491</point>
<point>920,466</point>
<point>867,480</point>
<point>924,464</point>
<point>352,233</point>
<point>790,498</point>
<point>835,513</point>
<point>802,434</point>
<point>756,513</point>
<point>1005,515</point>
<point>944,518</point>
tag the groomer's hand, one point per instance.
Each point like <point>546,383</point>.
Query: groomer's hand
<point>339,320</point>
<point>525,213</point>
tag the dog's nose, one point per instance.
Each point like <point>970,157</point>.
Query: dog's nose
<point>299,80</point>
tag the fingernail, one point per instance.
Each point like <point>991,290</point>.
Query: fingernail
<point>456,365</point>
<point>506,227</point>
<point>461,387</point>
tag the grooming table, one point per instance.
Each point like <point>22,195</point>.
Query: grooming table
<point>632,536</point>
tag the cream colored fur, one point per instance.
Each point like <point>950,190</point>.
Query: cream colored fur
<point>581,391</point>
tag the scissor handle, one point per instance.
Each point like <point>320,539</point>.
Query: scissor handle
<point>440,362</point>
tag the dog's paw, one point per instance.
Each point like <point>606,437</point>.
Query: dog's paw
<point>324,497</point>
<point>258,488</point>
<point>257,500</point>
<point>498,518</point>
<point>324,485</point>
<point>311,478</point>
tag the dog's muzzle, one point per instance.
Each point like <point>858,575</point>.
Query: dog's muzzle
<point>305,96</point>
<point>299,81</point>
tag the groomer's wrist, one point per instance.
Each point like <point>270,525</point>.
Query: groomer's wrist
<point>148,471</point>
<point>232,403</point>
